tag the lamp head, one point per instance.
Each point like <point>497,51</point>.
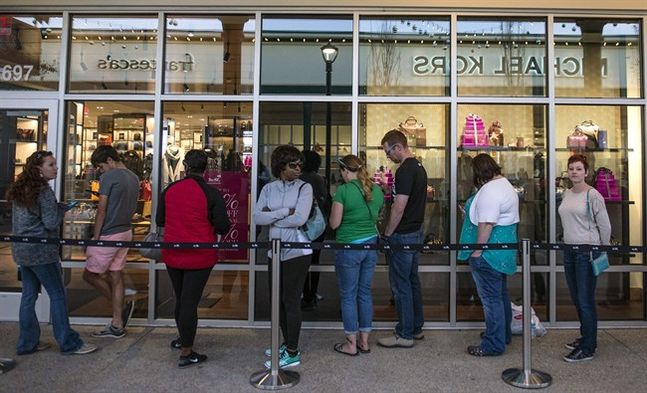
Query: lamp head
<point>329,53</point>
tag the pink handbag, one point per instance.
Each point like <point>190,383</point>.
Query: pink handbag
<point>474,134</point>
<point>607,184</point>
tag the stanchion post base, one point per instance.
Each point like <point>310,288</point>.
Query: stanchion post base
<point>283,380</point>
<point>6,365</point>
<point>535,379</point>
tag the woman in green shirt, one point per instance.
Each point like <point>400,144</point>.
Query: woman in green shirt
<point>355,210</point>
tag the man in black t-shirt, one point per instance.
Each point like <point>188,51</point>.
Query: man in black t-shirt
<point>405,227</point>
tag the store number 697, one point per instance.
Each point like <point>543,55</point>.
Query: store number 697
<point>16,72</point>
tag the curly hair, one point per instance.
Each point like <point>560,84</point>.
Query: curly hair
<point>352,163</point>
<point>283,155</point>
<point>25,190</point>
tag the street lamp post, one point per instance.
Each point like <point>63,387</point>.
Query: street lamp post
<point>329,53</point>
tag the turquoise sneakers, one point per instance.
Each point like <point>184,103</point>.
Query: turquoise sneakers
<point>282,348</point>
<point>285,360</point>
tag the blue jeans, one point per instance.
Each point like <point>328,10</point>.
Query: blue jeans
<point>492,288</point>
<point>354,278</point>
<point>581,285</point>
<point>405,284</point>
<point>49,276</point>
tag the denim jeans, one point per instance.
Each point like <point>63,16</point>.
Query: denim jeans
<point>405,284</point>
<point>354,278</point>
<point>492,288</point>
<point>581,285</point>
<point>49,276</point>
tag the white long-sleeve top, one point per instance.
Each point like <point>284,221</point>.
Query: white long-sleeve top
<point>280,196</point>
<point>579,227</point>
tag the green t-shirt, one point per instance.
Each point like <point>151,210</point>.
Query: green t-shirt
<point>356,222</point>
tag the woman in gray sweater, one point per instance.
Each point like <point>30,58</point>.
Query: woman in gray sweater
<point>585,221</point>
<point>36,213</point>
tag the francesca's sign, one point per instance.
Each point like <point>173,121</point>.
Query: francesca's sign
<point>109,63</point>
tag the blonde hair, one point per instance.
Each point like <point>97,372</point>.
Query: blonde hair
<point>353,164</point>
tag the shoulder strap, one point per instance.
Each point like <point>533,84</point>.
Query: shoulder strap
<point>589,209</point>
<point>364,199</point>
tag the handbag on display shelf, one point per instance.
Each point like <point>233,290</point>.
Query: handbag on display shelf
<point>474,134</point>
<point>607,184</point>
<point>495,133</point>
<point>413,129</point>
<point>577,140</point>
<point>590,130</point>
<point>601,263</point>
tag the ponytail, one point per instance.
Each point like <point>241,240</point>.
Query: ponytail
<point>352,163</point>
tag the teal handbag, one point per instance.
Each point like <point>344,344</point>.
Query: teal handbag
<point>316,224</point>
<point>601,263</point>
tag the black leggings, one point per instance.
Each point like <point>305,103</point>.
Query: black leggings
<point>188,286</point>
<point>293,275</point>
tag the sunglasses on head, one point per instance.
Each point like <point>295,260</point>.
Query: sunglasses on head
<point>295,165</point>
<point>390,149</point>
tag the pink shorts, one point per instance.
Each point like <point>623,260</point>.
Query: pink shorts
<point>101,259</point>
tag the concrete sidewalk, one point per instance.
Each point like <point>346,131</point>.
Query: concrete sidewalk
<point>143,362</point>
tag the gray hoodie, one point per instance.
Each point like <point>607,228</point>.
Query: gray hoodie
<point>280,196</point>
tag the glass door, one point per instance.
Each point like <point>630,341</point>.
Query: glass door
<point>24,129</point>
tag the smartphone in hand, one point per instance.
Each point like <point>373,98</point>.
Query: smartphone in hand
<point>70,205</point>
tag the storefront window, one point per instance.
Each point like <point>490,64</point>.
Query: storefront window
<point>30,48</point>
<point>612,140</point>
<point>194,49</point>
<point>401,56</point>
<point>515,136</point>
<point>127,126</point>
<point>597,58</point>
<point>113,54</point>
<point>501,57</point>
<point>291,54</point>
<point>426,127</point>
<point>224,130</point>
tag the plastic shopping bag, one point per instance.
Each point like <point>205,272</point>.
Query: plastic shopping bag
<point>516,325</point>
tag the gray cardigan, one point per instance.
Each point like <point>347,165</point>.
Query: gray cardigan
<point>43,220</point>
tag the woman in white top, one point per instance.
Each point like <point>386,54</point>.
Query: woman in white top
<point>584,221</point>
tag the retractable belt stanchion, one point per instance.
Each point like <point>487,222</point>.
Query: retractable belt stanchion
<point>275,378</point>
<point>526,377</point>
<point>6,365</point>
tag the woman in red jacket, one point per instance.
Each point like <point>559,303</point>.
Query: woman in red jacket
<point>190,211</point>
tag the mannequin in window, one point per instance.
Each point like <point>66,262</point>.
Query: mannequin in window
<point>172,161</point>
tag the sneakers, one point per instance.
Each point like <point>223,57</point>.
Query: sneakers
<point>85,349</point>
<point>191,359</point>
<point>130,292</point>
<point>575,344</point>
<point>176,344</point>
<point>282,348</point>
<point>577,355</point>
<point>110,331</point>
<point>127,312</point>
<point>42,346</point>
<point>476,350</point>
<point>394,341</point>
<point>286,360</point>
<point>419,336</point>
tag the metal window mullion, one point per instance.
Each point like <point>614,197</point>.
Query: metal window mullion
<point>550,157</point>
<point>643,94</point>
<point>355,87</point>
<point>110,97</point>
<point>453,159</point>
<point>62,87</point>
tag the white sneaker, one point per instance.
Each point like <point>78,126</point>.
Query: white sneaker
<point>85,349</point>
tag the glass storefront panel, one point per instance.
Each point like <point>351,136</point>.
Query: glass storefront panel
<point>224,297</point>
<point>501,57</point>
<point>597,57</point>
<point>292,55</point>
<point>22,132</point>
<point>469,306</point>
<point>435,298</point>
<point>619,296</point>
<point>224,131</point>
<point>129,127</point>
<point>612,139</point>
<point>515,136</point>
<point>30,52</point>
<point>399,56</point>
<point>426,127</point>
<point>113,54</point>
<point>194,47</point>
<point>83,300</point>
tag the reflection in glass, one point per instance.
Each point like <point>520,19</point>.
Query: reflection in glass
<point>224,296</point>
<point>224,130</point>
<point>515,136</point>
<point>618,296</point>
<point>501,57</point>
<point>210,55</point>
<point>612,138</point>
<point>597,58</point>
<point>129,127</point>
<point>404,56</point>
<point>30,52</point>
<point>426,129</point>
<point>113,54</point>
<point>291,52</point>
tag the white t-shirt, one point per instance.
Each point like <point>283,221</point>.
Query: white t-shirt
<point>496,202</point>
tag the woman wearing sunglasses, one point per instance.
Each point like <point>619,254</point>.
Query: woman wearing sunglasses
<point>355,210</point>
<point>37,213</point>
<point>284,205</point>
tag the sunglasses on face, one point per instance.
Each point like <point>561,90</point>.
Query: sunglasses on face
<point>295,165</point>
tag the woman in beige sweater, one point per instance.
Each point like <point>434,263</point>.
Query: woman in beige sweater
<point>585,221</point>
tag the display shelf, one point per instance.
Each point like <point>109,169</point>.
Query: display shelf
<point>596,149</point>
<point>503,148</point>
<point>430,147</point>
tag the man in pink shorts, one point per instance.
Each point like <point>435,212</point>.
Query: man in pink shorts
<point>118,193</point>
